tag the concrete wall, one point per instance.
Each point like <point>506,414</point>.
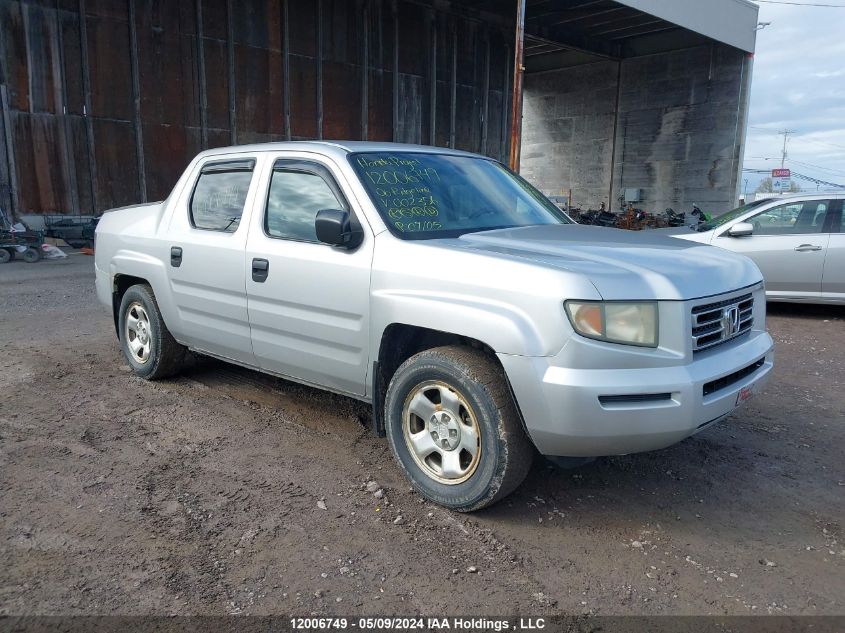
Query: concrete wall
<point>679,129</point>
<point>567,131</point>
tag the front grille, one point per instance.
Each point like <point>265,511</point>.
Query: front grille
<point>712,323</point>
<point>726,381</point>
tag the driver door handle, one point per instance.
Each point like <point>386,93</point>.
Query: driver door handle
<point>807,247</point>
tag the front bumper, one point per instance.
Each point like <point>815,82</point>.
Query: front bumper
<point>589,412</point>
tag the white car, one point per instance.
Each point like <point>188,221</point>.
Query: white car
<point>798,242</point>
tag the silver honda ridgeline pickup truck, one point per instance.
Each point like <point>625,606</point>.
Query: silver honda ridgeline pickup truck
<point>475,316</point>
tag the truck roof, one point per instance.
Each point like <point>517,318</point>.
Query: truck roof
<point>332,148</point>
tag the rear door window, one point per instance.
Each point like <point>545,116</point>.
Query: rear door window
<point>217,202</point>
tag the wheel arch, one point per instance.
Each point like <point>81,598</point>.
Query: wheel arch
<point>120,284</point>
<point>400,341</point>
<point>128,268</point>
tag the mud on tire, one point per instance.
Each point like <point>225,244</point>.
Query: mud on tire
<point>140,325</point>
<point>472,378</point>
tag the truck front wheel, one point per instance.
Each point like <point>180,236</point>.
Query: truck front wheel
<point>454,428</point>
<point>147,344</point>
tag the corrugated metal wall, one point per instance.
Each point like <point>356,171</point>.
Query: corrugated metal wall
<point>104,102</point>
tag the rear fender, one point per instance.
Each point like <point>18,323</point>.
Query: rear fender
<point>154,271</point>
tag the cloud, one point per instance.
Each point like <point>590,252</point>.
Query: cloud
<point>799,84</point>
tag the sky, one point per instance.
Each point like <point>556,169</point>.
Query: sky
<point>799,84</point>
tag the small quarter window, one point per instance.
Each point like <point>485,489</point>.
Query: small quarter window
<point>220,194</point>
<point>295,197</point>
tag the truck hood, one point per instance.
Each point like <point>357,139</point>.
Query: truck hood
<point>672,230</point>
<point>685,233</point>
<point>623,265</point>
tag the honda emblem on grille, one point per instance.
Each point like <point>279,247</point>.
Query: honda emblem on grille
<point>730,321</point>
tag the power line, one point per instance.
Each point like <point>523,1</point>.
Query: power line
<point>811,165</point>
<point>801,162</point>
<point>797,175</point>
<point>804,135</point>
<point>812,140</point>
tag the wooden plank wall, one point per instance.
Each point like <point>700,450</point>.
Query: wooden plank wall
<point>104,102</point>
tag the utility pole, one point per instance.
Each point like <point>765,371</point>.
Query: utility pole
<point>785,134</point>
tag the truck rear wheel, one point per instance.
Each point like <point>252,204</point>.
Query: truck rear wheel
<point>454,428</point>
<point>147,344</point>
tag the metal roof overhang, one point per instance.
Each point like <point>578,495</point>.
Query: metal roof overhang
<point>732,22</point>
<point>561,33</point>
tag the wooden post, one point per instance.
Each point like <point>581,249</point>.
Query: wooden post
<point>395,10</point>
<point>516,97</point>
<point>89,124</point>
<point>230,57</point>
<point>10,156</point>
<point>432,90</point>
<point>365,71</point>
<point>486,95</point>
<point>319,69</point>
<point>453,95</point>
<point>136,101</point>
<point>202,87</point>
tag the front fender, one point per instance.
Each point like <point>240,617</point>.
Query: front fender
<point>503,327</point>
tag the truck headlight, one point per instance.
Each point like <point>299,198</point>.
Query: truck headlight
<point>615,321</point>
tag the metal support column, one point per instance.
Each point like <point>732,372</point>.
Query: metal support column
<point>518,69</point>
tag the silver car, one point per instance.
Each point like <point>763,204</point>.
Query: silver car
<point>797,241</point>
<point>479,321</point>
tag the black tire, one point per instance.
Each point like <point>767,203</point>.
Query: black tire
<point>505,451</point>
<point>165,356</point>
<point>32,255</point>
<point>6,255</point>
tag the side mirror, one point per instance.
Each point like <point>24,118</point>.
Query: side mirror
<point>336,227</point>
<point>741,229</point>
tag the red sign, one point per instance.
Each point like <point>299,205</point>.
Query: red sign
<point>781,173</point>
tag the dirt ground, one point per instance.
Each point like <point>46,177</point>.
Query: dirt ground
<point>202,494</point>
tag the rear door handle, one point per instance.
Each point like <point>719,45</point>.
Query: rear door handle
<point>807,247</point>
<point>175,256</point>
<point>260,270</point>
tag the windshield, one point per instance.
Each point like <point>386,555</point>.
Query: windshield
<point>428,196</point>
<point>715,223</point>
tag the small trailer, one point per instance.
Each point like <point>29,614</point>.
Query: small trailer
<point>16,238</point>
<point>27,243</point>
